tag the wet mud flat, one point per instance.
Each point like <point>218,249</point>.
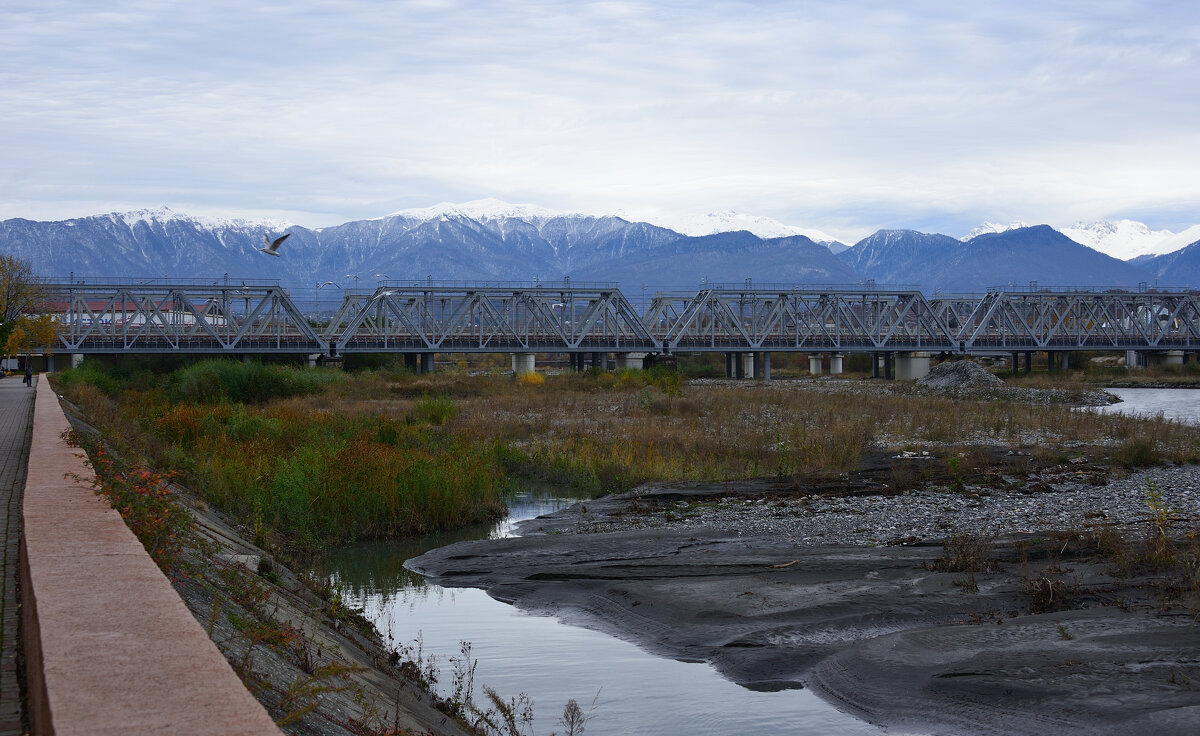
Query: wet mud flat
<point>1041,632</point>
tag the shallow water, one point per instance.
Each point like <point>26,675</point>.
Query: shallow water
<point>1180,404</point>
<point>634,692</point>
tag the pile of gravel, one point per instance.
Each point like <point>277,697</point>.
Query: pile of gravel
<point>959,374</point>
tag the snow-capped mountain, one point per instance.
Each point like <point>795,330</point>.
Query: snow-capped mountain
<point>729,221</point>
<point>1128,239</point>
<point>486,240</point>
<point>489,240</point>
<point>992,227</point>
<point>480,209</point>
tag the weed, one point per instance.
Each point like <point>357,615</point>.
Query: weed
<point>144,500</point>
<point>966,552</point>
<point>967,583</point>
<point>1063,633</point>
<point>1137,452</point>
<point>531,378</point>
<point>1047,592</point>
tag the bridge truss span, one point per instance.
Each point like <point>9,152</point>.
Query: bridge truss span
<point>490,319</point>
<point>426,318</point>
<point>177,318</point>
<point>810,320</point>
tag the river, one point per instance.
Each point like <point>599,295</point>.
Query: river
<point>633,692</point>
<point>1180,404</point>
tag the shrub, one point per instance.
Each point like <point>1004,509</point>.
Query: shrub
<point>531,378</point>
<point>216,381</point>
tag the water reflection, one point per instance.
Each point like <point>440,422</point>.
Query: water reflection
<point>553,662</point>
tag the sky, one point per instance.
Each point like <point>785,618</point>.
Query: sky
<point>843,116</point>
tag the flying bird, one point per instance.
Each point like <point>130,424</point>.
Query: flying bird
<point>272,248</point>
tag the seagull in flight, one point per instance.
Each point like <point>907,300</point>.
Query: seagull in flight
<point>272,248</point>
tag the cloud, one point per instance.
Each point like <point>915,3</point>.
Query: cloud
<point>820,114</point>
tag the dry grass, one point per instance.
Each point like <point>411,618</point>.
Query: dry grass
<point>604,431</point>
<point>378,434</point>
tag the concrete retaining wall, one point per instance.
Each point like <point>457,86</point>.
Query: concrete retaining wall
<point>110,648</point>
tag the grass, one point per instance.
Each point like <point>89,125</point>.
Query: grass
<point>319,456</point>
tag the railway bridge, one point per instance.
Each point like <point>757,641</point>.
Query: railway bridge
<point>589,321</point>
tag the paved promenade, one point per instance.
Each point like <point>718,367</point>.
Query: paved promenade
<point>16,418</point>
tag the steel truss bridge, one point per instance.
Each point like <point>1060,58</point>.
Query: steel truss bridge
<point>427,317</point>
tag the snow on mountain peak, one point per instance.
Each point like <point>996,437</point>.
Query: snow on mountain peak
<point>210,222</point>
<point>728,221</point>
<point>478,209</point>
<point>1126,239</point>
<point>992,227</point>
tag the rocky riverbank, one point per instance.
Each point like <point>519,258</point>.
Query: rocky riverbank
<point>1031,622</point>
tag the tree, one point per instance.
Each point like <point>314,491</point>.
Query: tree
<point>18,287</point>
<point>18,291</point>
<point>31,333</point>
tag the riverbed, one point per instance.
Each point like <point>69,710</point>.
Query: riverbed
<point>626,690</point>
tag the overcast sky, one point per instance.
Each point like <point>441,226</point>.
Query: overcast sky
<point>845,116</point>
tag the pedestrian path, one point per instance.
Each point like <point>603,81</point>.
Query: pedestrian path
<point>16,422</point>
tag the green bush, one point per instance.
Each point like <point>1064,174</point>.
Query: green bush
<point>217,381</point>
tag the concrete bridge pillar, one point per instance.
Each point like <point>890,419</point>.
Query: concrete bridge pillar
<point>835,364</point>
<point>1028,362</point>
<point>729,365</point>
<point>1173,357</point>
<point>874,365</point>
<point>76,359</point>
<point>312,359</point>
<point>814,365</point>
<point>911,366</point>
<point>1016,363</point>
<point>630,361</point>
<point>766,366</point>
<point>1134,360</point>
<point>49,363</point>
<point>522,363</point>
<point>411,363</point>
<point>746,365</point>
<point>427,362</point>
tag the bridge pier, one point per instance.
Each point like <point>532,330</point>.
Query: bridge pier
<point>522,363</point>
<point>911,366</point>
<point>76,359</point>
<point>630,361</point>
<point>815,364</point>
<point>747,365</point>
<point>835,364</point>
<point>874,365</point>
<point>766,366</point>
<point>1016,363</point>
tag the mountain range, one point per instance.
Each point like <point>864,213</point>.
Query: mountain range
<point>488,240</point>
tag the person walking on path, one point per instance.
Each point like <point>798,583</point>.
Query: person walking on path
<point>28,374</point>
